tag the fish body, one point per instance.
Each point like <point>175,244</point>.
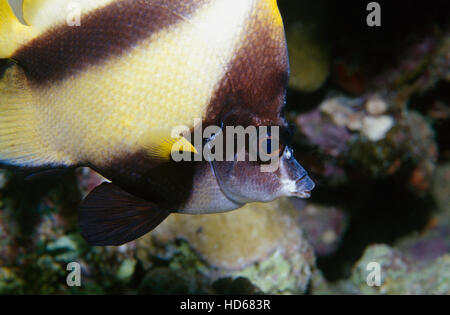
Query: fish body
<point>107,93</point>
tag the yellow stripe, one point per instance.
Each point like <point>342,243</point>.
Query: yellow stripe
<point>107,110</point>
<point>20,143</point>
<point>40,15</point>
<point>275,12</point>
<point>166,81</point>
<point>43,14</point>
<point>12,33</point>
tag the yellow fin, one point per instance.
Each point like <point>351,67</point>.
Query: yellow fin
<point>273,6</point>
<point>23,20</point>
<point>17,8</point>
<point>13,33</point>
<point>21,140</point>
<point>161,144</point>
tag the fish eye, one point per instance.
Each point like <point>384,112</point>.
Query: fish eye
<point>288,153</point>
<point>265,146</point>
<point>269,144</point>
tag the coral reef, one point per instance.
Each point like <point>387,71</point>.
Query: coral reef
<point>399,274</point>
<point>261,242</point>
<point>372,115</point>
<point>309,57</point>
<point>309,49</point>
<point>324,226</point>
<point>361,135</point>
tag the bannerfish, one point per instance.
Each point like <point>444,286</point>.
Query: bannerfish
<point>103,83</point>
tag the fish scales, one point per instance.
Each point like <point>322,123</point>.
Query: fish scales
<point>107,94</point>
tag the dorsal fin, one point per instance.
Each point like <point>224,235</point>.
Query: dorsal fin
<point>23,20</point>
<point>17,8</point>
<point>13,33</point>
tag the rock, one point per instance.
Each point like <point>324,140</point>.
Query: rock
<point>164,281</point>
<point>376,106</point>
<point>329,137</point>
<point>324,226</point>
<point>7,247</point>
<point>64,249</point>
<point>433,242</point>
<point>426,247</point>
<point>343,129</point>
<point>240,286</point>
<point>349,113</point>
<point>126,270</point>
<point>309,57</point>
<point>3,179</point>
<point>260,242</point>
<point>440,64</point>
<point>376,128</point>
<point>342,111</point>
<point>420,66</point>
<point>441,188</point>
<point>400,275</point>
<point>10,283</point>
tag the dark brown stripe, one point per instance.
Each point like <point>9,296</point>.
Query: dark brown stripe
<point>105,32</point>
<point>254,91</point>
<point>4,65</point>
<point>169,184</point>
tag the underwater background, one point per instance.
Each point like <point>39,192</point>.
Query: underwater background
<point>371,106</point>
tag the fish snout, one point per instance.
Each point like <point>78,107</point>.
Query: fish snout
<point>304,186</point>
<point>294,177</point>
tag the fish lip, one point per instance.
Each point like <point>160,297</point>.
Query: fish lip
<point>303,194</point>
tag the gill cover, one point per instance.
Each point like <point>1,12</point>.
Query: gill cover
<point>245,181</point>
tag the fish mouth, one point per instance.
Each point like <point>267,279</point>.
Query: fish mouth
<point>304,187</point>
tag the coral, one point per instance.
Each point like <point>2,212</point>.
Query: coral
<point>9,282</point>
<point>324,226</point>
<point>399,274</point>
<point>238,285</point>
<point>362,133</point>
<point>309,57</point>
<point>441,187</point>
<point>372,112</point>
<point>260,242</point>
<point>164,281</point>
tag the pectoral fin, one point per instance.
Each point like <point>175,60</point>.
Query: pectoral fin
<point>111,216</point>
